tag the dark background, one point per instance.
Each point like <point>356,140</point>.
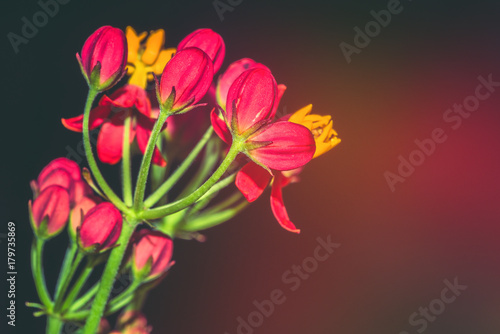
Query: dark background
<point>396,247</point>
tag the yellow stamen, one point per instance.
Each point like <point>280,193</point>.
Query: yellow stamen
<point>320,126</point>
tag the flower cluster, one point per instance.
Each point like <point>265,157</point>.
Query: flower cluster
<point>158,116</point>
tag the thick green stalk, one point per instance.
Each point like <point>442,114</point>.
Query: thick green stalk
<point>54,325</point>
<point>179,172</point>
<point>142,179</point>
<point>168,209</point>
<point>126,169</point>
<point>90,156</point>
<point>108,277</point>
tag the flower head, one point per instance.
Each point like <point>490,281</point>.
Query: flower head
<point>185,80</point>
<point>208,41</point>
<point>104,56</point>
<point>111,113</point>
<point>100,228</point>
<point>153,247</point>
<point>49,211</point>
<point>146,58</point>
<point>320,126</point>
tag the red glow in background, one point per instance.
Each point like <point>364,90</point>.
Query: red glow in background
<point>396,248</point>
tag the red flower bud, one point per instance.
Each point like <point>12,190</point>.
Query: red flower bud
<point>52,205</point>
<point>79,211</point>
<point>229,76</point>
<point>152,246</point>
<point>208,41</point>
<point>104,56</point>
<point>101,228</point>
<point>187,76</point>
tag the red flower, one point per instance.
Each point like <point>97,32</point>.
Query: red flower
<point>104,56</point>
<point>101,228</point>
<point>80,210</point>
<point>110,114</point>
<point>252,180</point>
<point>51,206</point>
<point>187,77</point>
<point>250,108</point>
<point>65,173</point>
<point>152,246</point>
<point>208,41</point>
<point>229,76</point>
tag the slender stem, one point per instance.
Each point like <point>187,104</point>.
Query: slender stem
<point>67,280</point>
<point>37,270</point>
<point>90,155</point>
<point>54,325</point>
<point>126,169</point>
<point>219,186</point>
<point>168,209</point>
<point>108,278</point>
<point>66,266</point>
<point>78,285</point>
<point>206,221</point>
<point>80,302</point>
<point>179,172</point>
<point>142,179</point>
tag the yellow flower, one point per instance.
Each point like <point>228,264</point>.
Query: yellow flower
<point>147,58</point>
<point>321,128</point>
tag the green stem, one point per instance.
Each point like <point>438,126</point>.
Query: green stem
<point>66,266</point>
<point>90,155</point>
<point>67,280</point>
<point>82,301</point>
<point>168,209</point>
<point>142,179</point>
<point>108,278</point>
<point>75,290</point>
<point>38,276</point>
<point>179,172</point>
<point>54,325</point>
<point>126,169</point>
<point>206,221</point>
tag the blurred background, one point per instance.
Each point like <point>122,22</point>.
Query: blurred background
<point>398,246</point>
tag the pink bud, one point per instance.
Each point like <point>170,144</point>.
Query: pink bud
<point>101,228</point>
<point>107,46</point>
<point>81,208</point>
<point>152,245</point>
<point>229,76</point>
<point>52,204</point>
<point>189,73</point>
<point>208,41</point>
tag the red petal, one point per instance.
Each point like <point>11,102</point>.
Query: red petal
<point>96,117</point>
<point>190,72</point>
<point>220,127</point>
<point>208,41</point>
<point>278,206</point>
<point>252,180</point>
<point>144,126</point>
<point>101,225</point>
<point>110,139</point>
<point>253,94</point>
<point>127,97</point>
<point>53,203</point>
<point>292,145</point>
<point>279,95</point>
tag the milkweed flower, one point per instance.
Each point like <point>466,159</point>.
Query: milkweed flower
<point>146,57</point>
<point>185,80</point>
<point>100,228</point>
<point>152,247</point>
<point>250,109</point>
<point>111,113</point>
<point>132,322</point>
<point>49,211</point>
<point>104,57</point>
<point>208,41</point>
<point>320,126</point>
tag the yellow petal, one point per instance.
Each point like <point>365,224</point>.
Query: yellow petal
<point>299,115</point>
<point>163,58</point>
<point>139,76</point>
<point>133,42</point>
<point>154,44</point>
